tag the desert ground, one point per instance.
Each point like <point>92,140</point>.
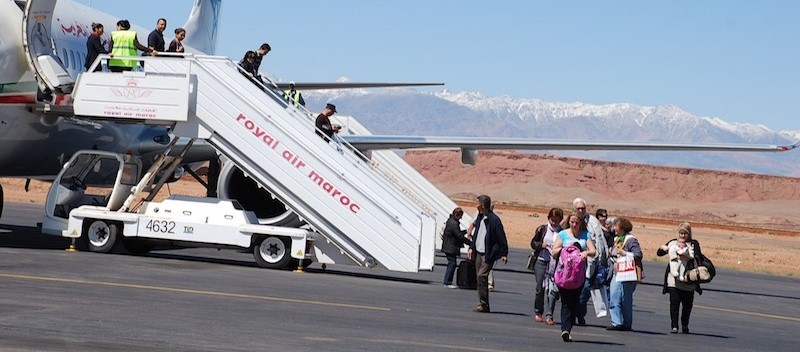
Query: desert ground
<point>743,221</point>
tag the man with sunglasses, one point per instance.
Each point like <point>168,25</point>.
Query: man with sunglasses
<point>594,264</point>
<point>249,69</point>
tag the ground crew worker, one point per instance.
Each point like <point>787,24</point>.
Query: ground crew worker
<point>124,43</point>
<point>294,96</point>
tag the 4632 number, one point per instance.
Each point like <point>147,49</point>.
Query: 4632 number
<point>161,226</point>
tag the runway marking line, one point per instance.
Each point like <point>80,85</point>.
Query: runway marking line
<point>744,312</point>
<point>192,291</point>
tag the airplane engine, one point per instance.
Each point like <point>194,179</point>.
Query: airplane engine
<point>233,184</point>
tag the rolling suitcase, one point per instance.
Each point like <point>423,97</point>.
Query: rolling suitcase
<point>465,275</point>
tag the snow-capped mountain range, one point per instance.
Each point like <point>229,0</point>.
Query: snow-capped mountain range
<point>411,112</point>
<point>541,111</point>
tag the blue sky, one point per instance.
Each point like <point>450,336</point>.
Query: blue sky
<point>738,60</point>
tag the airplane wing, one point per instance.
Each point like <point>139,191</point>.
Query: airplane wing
<point>350,85</point>
<point>469,145</point>
<point>368,142</point>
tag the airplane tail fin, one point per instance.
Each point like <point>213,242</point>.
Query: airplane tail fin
<point>202,27</point>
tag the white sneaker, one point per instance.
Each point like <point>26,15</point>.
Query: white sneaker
<point>452,286</point>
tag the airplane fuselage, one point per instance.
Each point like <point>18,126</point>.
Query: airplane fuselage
<point>36,145</point>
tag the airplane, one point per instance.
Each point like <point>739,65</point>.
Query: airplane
<point>35,143</point>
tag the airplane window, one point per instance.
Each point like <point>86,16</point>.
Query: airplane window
<point>66,58</point>
<point>72,58</point>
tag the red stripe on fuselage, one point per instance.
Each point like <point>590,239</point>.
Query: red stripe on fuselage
<point>25,98</point>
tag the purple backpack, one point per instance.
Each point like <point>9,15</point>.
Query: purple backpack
<point>571,269</point>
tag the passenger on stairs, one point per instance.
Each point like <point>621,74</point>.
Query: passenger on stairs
<point>176,45</point>
<point>249,68</point>
<point>262,51</point>
<point>323,123</point>
<point>155,39</point>
<point>95,45</point>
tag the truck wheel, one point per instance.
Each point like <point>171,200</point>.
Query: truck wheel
<point>101,235</point>
<point>137,246</point>
<point>272,252</point>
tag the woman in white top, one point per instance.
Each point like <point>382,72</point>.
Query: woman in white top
<point>542,245</point>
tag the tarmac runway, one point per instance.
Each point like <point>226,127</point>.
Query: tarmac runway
<point>210,300</point>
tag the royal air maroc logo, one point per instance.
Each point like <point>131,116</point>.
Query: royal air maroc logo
<point>132,91</point>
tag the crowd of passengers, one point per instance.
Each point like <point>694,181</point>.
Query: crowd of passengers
<point>576,257</point>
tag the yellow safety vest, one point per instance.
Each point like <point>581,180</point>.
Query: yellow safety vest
<point>292,99</point>
<point>124,45</point>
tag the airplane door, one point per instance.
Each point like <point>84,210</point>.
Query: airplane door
<point>40,49</point>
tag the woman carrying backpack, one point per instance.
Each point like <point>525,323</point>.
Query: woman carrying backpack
<point>628,255</point>
<point>575,235</point>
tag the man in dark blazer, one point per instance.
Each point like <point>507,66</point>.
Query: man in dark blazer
<point>488,245</point>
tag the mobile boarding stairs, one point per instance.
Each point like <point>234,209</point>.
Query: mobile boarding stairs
<point>355,209</point>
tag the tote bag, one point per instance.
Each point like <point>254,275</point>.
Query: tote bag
<point>700,271</point>
<point>625,269</point>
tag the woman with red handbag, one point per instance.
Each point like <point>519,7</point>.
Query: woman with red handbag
<point>628,254</point>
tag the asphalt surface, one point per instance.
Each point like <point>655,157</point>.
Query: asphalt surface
<point>210,300</point>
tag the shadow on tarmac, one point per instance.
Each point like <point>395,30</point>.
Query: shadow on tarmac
<point>755,294</point>
<point>599,343</point>
<point>252,264</point>
<point>12,236</point>
<point>27,237</point>
<point>369,276</point>
<point>199,259</point>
